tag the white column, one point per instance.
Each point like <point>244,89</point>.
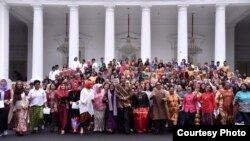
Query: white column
<point>109,51</point>
<point>182,49</point>
<point>37,55</point>
<point>73,33</point>
<point>4,40</point>
<point>220,33</point>
<point>146,33</point>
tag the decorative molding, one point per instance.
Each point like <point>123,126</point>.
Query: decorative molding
<point>128,2</point>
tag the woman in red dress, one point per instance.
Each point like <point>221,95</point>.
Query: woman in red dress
<point>208,105</point>
<point>62,102</point>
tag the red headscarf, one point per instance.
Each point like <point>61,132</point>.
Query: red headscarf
<point>61,93</point>
<point>88,84</point>
<point>73,87</point>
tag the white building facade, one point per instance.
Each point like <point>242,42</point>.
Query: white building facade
<point>32,32</point>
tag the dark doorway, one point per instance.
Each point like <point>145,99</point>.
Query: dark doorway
<point>18,49</point>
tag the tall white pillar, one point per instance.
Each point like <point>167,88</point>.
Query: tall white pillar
<point>220,33</point>
<point>146,33</point>
<point>37,55</point>
<point>4,40</point>
<point>182,48</point>
<point>73,33</point>
<point>109,51</point>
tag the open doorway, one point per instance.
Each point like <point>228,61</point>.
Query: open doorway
<point>18,49</point>
<point>242,46</point>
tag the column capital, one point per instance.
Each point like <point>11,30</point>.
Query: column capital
<point>37,6</point>
<point>111,5</point>
<point>182,6</point>
<point>146,6</point>
<point>221,6</point>
<point>73,6</point>
<point>2,2</point>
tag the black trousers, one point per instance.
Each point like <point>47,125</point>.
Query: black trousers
<point>159,124</point>
<point>3,120</point>
<point>189,118</point>
<point>123,120</point>
<point>246,118</point>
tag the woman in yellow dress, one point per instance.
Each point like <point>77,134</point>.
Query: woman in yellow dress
<point>172,101</point>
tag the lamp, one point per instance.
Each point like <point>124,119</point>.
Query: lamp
<point>128,47</point>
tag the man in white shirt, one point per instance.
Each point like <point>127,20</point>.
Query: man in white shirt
<point>95,66</point>
<point>84,66</point>
<point>37,97</point>
<point>52,74</point>
<point>76,64</point>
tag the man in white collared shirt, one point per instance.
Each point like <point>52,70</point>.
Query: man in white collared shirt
<point>76,64</point>
<point>37,97</point>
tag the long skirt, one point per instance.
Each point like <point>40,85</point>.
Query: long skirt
<point>21,120</point>
<point>3,120</point>
<point>74,118</point>
<point>85,119</point>
<point>99,120</point>
<point>141,119</point>
<point>111,121</point>
<point>36,116</point>
<point>63,116</point>
<point>207,118</point>
<point>227,117</point>
<point>51,120</point>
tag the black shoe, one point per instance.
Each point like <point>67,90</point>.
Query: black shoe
<point>127,132</point>
<point>157,132</point>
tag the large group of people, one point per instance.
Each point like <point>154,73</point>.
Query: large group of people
<point>126,96</point>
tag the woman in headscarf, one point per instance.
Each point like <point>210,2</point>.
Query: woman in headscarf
<point>62,102</point>
<point>19,109</point>
<point>5,100</point>
<point>111,112</point>
<point>74,97</point>
<point>86,106</point>
<point>51,102</point>
<point>99,108</point>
